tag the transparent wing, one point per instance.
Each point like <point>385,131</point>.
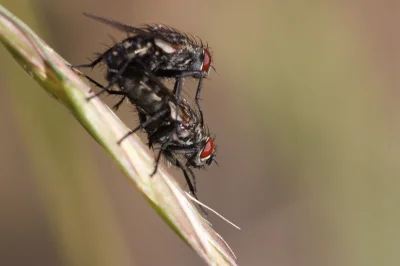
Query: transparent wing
<point>115,24</point>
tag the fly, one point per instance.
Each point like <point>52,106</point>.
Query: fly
<point>157,49</point>
<point>171,125</point>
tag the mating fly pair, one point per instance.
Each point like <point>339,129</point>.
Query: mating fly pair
<point>134,68</point>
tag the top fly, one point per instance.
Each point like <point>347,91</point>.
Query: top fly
<point>160,50</point>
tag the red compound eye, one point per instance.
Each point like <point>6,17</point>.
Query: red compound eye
<point>208,149</point>
<point>206,61</point>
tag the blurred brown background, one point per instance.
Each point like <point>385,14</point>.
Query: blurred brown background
<point>305,107</point>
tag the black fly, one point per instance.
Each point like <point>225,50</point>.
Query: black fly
<point>174,127</point>
<point>158,49</point>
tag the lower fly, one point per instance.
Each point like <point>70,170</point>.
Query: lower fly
<point>170,123</point>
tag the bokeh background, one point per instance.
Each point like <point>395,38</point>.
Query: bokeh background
<point>305,107</point>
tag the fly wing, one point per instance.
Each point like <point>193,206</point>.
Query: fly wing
<point>168,34</point>
<point>115,24</point>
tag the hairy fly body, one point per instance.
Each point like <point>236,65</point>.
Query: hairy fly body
<point>173,127</point>
<point>157,49</point>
